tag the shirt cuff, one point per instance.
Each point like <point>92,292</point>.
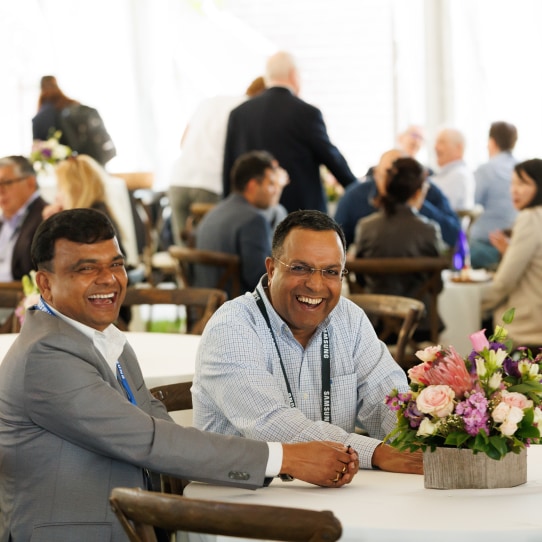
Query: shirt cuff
<point>274,461</point>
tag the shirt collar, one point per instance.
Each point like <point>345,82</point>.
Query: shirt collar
<point>109,342</point>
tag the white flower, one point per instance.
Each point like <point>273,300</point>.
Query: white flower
<point>429,353</point>
<point>481,369</point>
<point>427,428</point>
<point>538,418</point>
<point>495,381</point>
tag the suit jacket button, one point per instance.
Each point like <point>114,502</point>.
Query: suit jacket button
<point>237,475</point>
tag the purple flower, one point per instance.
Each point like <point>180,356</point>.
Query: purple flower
<point>511,367</point>
<point>395,401</point>
<point>413,415</point>
<point>473,411</point>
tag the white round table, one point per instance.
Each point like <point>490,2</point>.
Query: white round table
<point>165,358</point>
<point>383,507</point>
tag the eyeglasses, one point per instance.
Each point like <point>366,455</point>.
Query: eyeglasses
<point>10,182</point>
<point>300,270</point>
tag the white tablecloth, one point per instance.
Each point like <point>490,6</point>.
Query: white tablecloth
<point>384,507</point>
<point>165,358</point>
<point>459,306</point>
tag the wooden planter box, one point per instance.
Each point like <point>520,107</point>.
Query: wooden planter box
<point>455,468</point>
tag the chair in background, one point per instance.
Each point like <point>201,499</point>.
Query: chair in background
<point>11,295</point>
<point>398,315</point>
<point>186,257</point>
<point>200,303</point>
<point>139,511</point>
<point>176,397</point>
<point>197,212</point>
<point>431,267</point>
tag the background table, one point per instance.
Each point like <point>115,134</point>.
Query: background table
<point>165,358</point>
<point>459,306</point>
<point>382,507</point>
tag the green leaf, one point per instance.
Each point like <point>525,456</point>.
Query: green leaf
<point>499,444</point>
<point>508,316</point>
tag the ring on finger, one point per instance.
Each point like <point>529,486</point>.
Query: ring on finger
<point>344,469</point>
<point>337,478</point>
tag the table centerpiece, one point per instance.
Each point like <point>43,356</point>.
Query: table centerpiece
<point>472,417</point>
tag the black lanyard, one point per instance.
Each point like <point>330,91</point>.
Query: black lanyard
<point>325,354</point>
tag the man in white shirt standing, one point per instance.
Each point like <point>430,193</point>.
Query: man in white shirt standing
<point>454,178</point>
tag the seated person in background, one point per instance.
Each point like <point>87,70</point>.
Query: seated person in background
<point>237,225</point>
<point>411,140</point>
<point>22,207</point>
<point>455,179</point>
<point>518,280</point>
<point>398,230</point>
<point>358,202</point>
<point>77,419</point>
<point>81,185</point>
<point>493,181</point>
<point>294,361</point>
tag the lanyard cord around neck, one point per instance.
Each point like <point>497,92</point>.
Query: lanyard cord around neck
<point>325,353</point>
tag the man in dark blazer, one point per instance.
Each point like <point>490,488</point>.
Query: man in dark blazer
<point>292,131</point>
<point>21,207</point>
<point>76,419</point>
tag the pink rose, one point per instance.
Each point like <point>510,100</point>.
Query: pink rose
<point>513,398</point>
<point>436,401</point>
<point>479,340</point>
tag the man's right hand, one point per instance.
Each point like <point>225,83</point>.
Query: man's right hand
<point>327,464</point>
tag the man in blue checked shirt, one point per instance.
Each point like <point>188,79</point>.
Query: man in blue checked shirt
<point>294,361</point>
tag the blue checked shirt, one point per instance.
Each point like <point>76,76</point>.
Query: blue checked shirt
<point>239,388</point>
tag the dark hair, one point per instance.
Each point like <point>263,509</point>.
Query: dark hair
<point>20,163</point>
<point>305,220</point>
<point>250,165</point>
<point>405,177</point>
<point>533,168</point>
<point>504,134</point>
<point>77,225</point>
<point>51,93</point>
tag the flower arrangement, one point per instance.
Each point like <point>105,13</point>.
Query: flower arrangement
<point>489,402</point>
<point>48,152</point>
<point>31,293</point>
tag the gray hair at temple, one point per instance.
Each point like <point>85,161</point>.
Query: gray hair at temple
<point>305,220</point>
<point>22,165</point>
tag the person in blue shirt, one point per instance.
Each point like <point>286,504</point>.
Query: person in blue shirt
<point>493,180</point>
<point>358,202</point>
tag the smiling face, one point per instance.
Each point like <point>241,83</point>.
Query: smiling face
<point>87,282</point>
<point>304,302</point>
<point>523,189</point>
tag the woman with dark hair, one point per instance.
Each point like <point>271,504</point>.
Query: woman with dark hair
<point>518,280</point>
<point>398,230</point>
<point>50,103</point>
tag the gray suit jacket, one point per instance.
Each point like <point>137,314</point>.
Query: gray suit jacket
<point>68,435</point>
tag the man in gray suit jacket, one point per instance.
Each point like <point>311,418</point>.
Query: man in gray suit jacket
<point>76,419</point>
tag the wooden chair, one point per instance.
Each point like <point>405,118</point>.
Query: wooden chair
<point>431,267</point>
<point>197,212</point>
<point>200,303</point>
<point>399,315</point>
<point>230,277</point>
<point>175,397</point>
<point>139,511</point>
<point>11,295</point>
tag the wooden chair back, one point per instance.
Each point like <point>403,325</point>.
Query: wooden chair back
<point>174,396</point>
<point>399,315</point>
<point>11,295</point>
<point>197,211</point>
<point>186,257</point>
<point>139,511</point>
<point>431,267</point>
<point>200,303</point>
